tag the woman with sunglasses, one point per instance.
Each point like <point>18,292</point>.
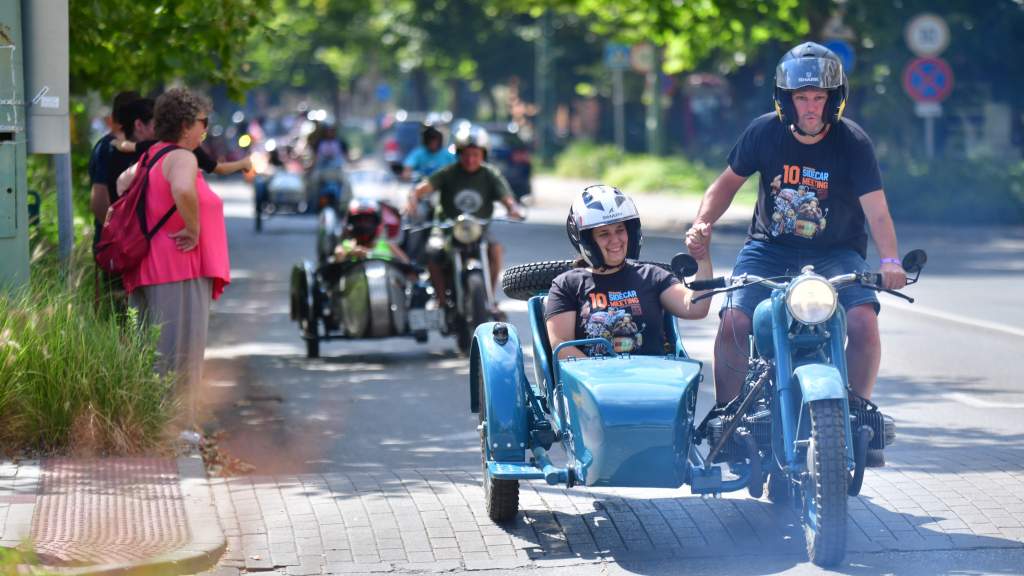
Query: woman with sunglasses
<point>187,264</point>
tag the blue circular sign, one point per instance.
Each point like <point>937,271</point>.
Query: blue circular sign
<point>844,50</point>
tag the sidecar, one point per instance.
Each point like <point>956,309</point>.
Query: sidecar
<point>623,420</point>
<point>360,299</point>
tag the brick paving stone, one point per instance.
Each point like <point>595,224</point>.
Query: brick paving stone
<point>447,553</point>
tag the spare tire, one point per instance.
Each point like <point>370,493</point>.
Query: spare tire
<point>524,281</point>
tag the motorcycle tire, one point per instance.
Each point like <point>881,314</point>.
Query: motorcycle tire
<point>501,497</point>
<point>524,281</point>
<point>476,295</point>
<point>312,333</point>
<point>824,490</point>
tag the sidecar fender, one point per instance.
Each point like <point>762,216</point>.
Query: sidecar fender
<point>819,382</point>
<point>497,358</point>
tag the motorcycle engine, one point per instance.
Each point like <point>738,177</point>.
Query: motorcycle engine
<point>884,427</point>
<point>757,422</point>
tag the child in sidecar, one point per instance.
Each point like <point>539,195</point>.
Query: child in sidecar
<point>362,238</point>
<point>607,295</point>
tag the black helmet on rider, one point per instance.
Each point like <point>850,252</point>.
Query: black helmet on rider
<point>363,221</point>
<point>599,205</point>
<point>471,136</point>
<point>810,65</point>
<point>431,134</point>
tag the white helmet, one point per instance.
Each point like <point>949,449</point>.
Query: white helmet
<point>599,205</point>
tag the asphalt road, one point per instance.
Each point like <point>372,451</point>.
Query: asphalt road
<point>948,377</point>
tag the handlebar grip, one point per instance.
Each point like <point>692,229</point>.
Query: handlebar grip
<point>717,282</point>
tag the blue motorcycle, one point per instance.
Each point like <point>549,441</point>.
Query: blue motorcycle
<point>628,421</point>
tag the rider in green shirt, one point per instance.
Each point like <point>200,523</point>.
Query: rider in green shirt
<point>470,186</point>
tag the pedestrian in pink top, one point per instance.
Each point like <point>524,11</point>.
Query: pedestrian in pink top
<point>187,264</point>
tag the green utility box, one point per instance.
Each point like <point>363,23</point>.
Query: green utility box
<point>13,188</point>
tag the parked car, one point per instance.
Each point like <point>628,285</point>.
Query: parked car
<point>512,155</point>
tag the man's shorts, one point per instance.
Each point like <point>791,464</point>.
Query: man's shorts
<point>772,260</point>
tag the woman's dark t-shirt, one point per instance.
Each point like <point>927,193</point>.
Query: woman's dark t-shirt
<point>623,307</point>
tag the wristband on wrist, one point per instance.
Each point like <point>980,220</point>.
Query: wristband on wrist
<point>890,261</point>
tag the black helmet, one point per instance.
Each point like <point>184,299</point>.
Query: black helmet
<point>431,133</point>
<point>599,205</point>
<point>470,135</point>
<point>810,64</point>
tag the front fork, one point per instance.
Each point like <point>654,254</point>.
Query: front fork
<point>458,269</point>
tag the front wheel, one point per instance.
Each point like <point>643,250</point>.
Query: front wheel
<point>825,484</point>
<point>476,309</point>
<point>501,497</point>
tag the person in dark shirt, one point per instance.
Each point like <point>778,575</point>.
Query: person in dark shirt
<point>99,194</point>
<point>138,127</point>
<point>820,193</point>
<point>609,295</point>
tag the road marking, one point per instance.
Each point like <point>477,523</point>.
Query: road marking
<point>984,324</point>
<point>969,400</point>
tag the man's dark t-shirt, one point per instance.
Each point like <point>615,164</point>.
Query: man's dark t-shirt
<point>463,192</point>
<point>98,160</point>
<point>624,307</point>
<point>809,195</point>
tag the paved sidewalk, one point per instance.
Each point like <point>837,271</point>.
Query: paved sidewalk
<point>111,515</point>
<point>433,521</point>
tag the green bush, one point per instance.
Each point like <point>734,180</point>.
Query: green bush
<point>587,160</point>
<point>963,191</point>
<point>75,376</point>
<point>642,172</point>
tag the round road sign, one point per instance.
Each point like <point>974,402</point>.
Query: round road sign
<point>928,79</point>
<point>927,35</point>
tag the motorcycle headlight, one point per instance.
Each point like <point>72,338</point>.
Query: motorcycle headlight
<point>467,231</point>
<point>811,300</point>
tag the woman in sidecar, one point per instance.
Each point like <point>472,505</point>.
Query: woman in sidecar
<point>367,289</point>
<point>608,294</point>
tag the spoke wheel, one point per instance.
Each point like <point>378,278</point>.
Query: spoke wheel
<point>501,497</point>
<point>824,486</point>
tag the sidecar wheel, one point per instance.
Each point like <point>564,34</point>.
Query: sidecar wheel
<point>501,497</point>
<point>824,488</point>
<point>312,334</point>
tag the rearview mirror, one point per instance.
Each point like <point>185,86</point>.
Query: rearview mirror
<point>913,262</point>
<point>684,265</point>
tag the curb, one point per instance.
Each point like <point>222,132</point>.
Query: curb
<point>204,549</point>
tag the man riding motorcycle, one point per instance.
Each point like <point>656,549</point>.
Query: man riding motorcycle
<point>429,157</point>
<point>469,186</point>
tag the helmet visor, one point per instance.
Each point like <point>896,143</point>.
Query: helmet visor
<point>824,73</point>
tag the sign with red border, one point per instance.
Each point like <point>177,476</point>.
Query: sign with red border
<point>928,79</point>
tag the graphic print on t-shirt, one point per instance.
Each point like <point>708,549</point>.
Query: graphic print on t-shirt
<point>468,201</point>
<point>797,194</point>
<point>611,317</point>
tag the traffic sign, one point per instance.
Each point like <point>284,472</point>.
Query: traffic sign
<point>844,50</point>
<point>928,79</point>
<point>927,35</point>
<point>616,56</point>
<point>641,56</point>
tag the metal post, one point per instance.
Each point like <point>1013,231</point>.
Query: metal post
<point>929,136</point>
<point>65,209</point>
<point>542,71</point>
<point>618,101</point>
<point>655,140</point>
